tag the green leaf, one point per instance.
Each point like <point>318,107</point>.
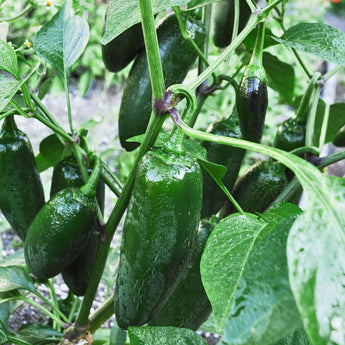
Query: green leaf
<point>316,258</point>
<point>118,336</point>
<point>52,151</point>
<point>217,171</point>
<point>35,333</point>
<point>8,59</point>
<point>13,278</point>
<point>321,40</point>
<point>122,14</point>
<point>3,337</point>
<point>225,256</point>
<point>9,87</point>
<point>164,336</point>
<point>15,259</point>
<point>264,309</point>
<point>7,309</point>
<point>45,87</point>
<point>297,337</point>
<point>281,76</point>
<point>62,40</point>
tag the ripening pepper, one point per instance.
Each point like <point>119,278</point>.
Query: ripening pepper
<point>258,187</point>
<point>188,306</point>
<point>223,20</point>
<point>251,98</point>
<point>229,156</point>
<point>158,235</point>
<point>76,275</point>
<point>21,191</point>
<point>61,228</point>
<point>177,57</point>
<point>122,49</point>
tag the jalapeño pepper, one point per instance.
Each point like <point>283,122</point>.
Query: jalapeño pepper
<point>61,228</point>
<point>76,275</point>
<point>258,187</point>
<point>159,231</point>
<point>21,191</point>
<point>251,98</point>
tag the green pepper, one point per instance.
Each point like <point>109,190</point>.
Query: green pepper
<point>121,50</point>
<point>230,157</point>
<point>290,135</point>
<point>61,228</point>
<point>258,187</point>
<point>21,191</point>
<point>159,231</point>
<point>223,21</point>
<point>76,275</point>
<point>177,56</point>
<point>251,98</point>
<point>188,306</point>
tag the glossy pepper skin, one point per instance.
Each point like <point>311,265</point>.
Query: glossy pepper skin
<point>188,306</point>
<point>177,56</point>
<point>230,157</point>
<point>158,235</point>
<point>290,135</point>
<point>223,21</point>
<point>258,187</point>
<point>61,228</point>
<point>251,97</point>
<point>251,103</point>
<point>21,191</point>
<point>76,275</point>
<point>120,51</point>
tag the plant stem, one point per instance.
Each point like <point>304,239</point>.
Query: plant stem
<point>68,100</point>
<point>252,22</point>
<point>332,72</point>
<point>303,170</point>
<point>113,176</point>
<point>309,136</point>
<point>45,110</point>
<point>11,19</point>
<point>42,309</point>
<point>109,183</point>
<point>16,340</point>
<point>186,35</point>
<point>104,312</point>
<point>154,126</point>
<point>236,19</point>
<point>206,19</point>
<point>55,309</point>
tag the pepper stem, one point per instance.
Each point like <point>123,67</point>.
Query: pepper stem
<point>89,189</point>
<point>9,124</point>
<point>255,66</point>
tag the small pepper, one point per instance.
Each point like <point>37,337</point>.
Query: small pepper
<point>76,275</point>
<point>251,98</point>
<point>61,228</point>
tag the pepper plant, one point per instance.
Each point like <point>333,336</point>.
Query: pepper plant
<point>204,246</point>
